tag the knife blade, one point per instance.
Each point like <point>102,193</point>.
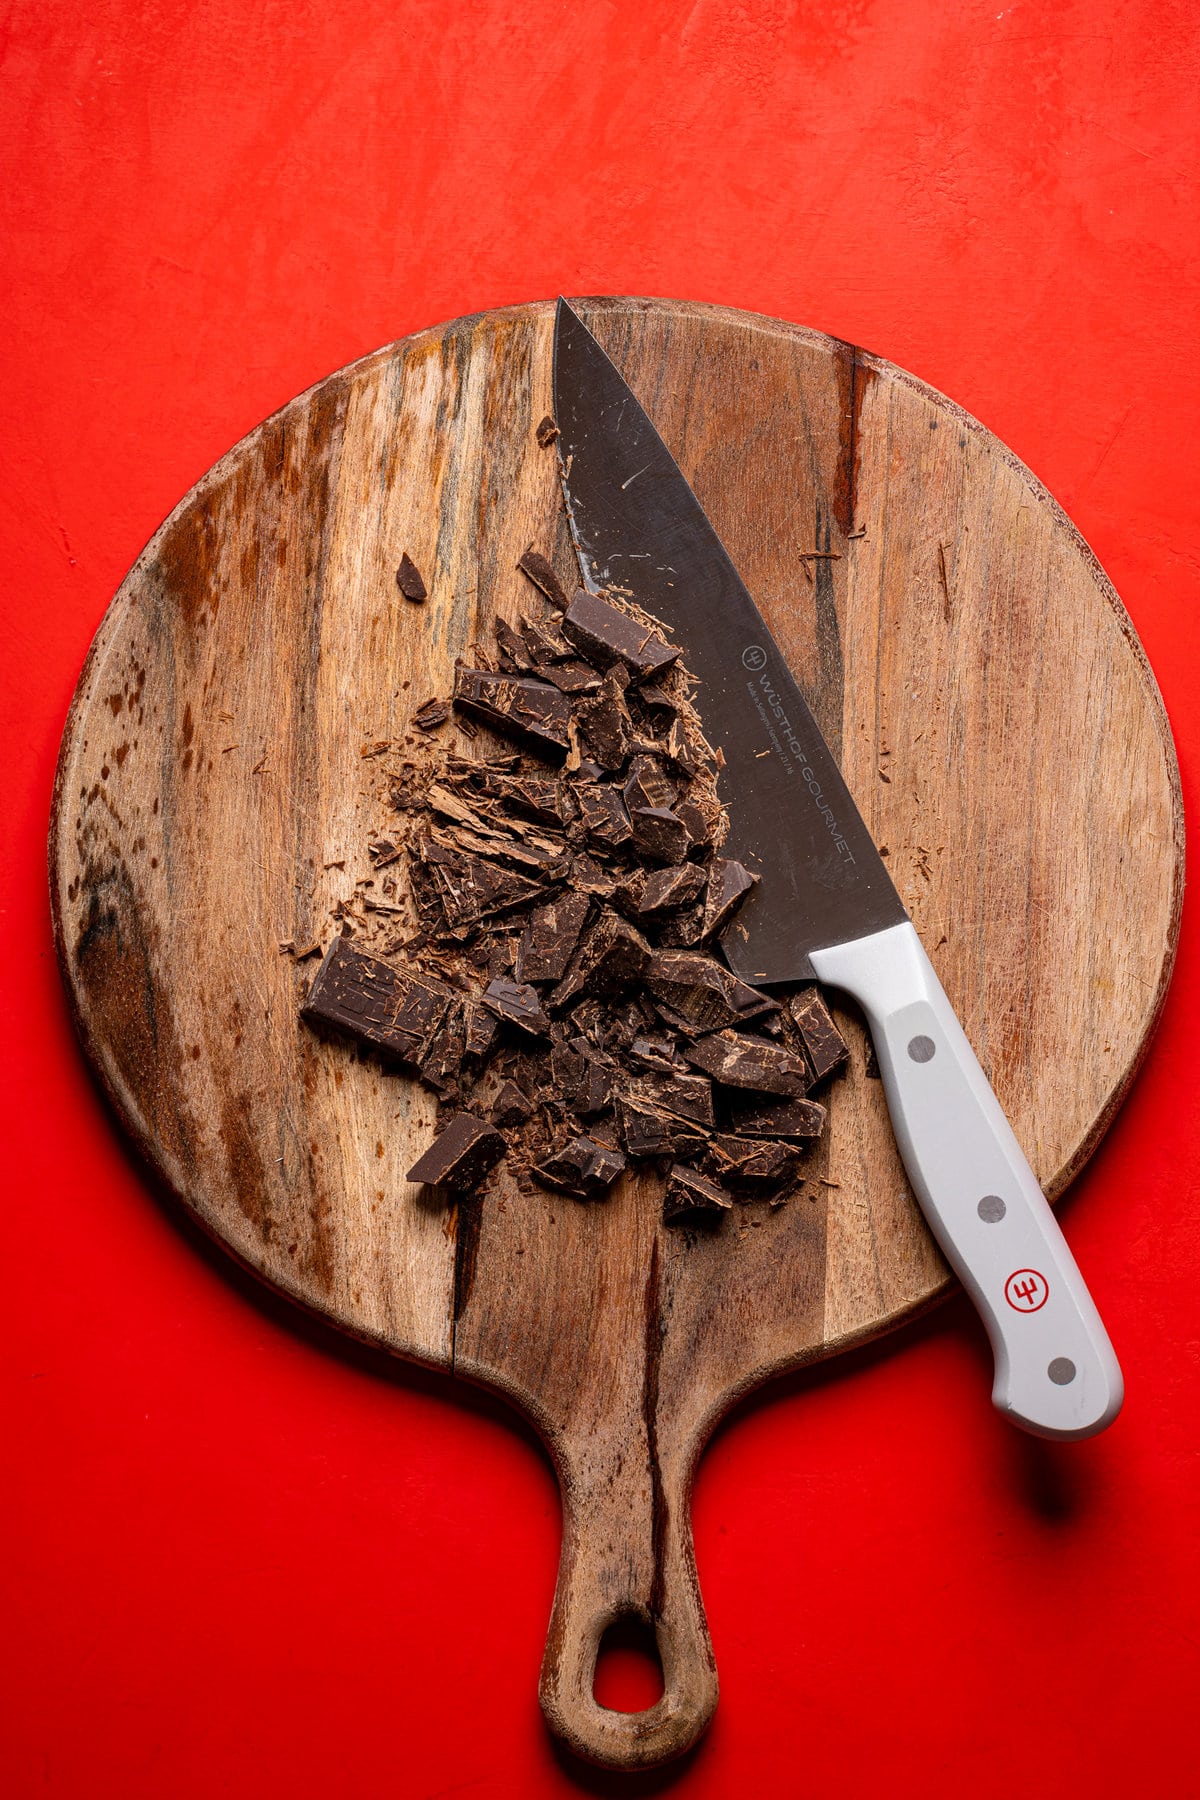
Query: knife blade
<point>825,907</point>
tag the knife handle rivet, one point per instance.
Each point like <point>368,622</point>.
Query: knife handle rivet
<point>921,1049</point>
<point>991,1209</point>
<point>1061,1371</point>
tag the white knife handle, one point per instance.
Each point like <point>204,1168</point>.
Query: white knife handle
<point>1056,1374</point>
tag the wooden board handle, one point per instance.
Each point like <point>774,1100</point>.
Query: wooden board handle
<point>627,1553</point>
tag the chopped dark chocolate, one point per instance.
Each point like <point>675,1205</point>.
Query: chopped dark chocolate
<point>647,784</point>
<point>660,834</point>
<point>470,888</point>
<point>556,975</point>
<point>461,1155</point>
<point>582,1168</point>
<point>676,1091</point>
<point>649,1130</point>
<point>728,885</point>
<point>740,1059</point>
<point>520,707</point>
<point>571,677</point>
<point>396,1010</point>
<point>703,991</point>
<point>824,1044</point>
<point>544,641</point>
<point>513,651</point>
<point>682,750</point>
<point>442,1059</point>
<point>549,938</point>
<point>602,815</point>
<point>430,715</point>
<point>605,635</point>
<point>754,1162</point>
<point>612,956</point>
<point>542,575</point>
<point>689,1192</point>
<point>546,432</point>
<point>511,1106</point>
<point>699,821</point>
<point>604,726</point>
<point>483,1034</point>
<point>518,1004</point>
<point>793,1119</point>
<point>408,580</point>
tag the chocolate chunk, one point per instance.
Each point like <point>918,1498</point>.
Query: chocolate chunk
<point>470,888</point>
<point>699,821</point>
<point>702,991</point>
<point>511,1106</point>
<point>572,677</point>
<point>660,834</point>
<point>518,707</point>
<point>647,784</point>
<point>796,1119</point>
<point>549,938</point>
<point>754,1162</point>
<point>689,1192</point>
<point>396,1010</point>
<point>824,1044</point>
<point>544,641</point>
<point>602,815</point>
<point>728,885</point>
<point>683,751</point>
<point>605,635</point>
<point>483,1034</point>
<point>542,575</point>
<point>612,956</point>
<point>739,1059</point>
<point>430,715</point>
<point>651,695</point>
<point>461,1155</point>
<point>535,797</point>
<point>677,1092</point>
<point>587,877</point>
<point>684,930</point>
<point>582,1167</point>
<point>408,580</point>
<point>513,651</point>
<point>546,432</point>
<point>605,728</point>
<point>594,1094</point>
<point>518,1004</point>
<point>442,1060</point>
<point>649,1130</point>
<point>656,1054</point>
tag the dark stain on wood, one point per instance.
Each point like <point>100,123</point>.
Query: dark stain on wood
<point>853,376</point>
<point>652,1352</point>
<point>113,969</point>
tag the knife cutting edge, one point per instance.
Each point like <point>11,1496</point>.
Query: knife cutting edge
<point>825,907</point>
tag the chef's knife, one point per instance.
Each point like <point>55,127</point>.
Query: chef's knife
<point>825,907</point>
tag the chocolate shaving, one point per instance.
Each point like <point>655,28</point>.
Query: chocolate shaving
<point>546,432</point>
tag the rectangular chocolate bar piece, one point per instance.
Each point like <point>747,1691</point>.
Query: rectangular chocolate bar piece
<point>394,1009</point>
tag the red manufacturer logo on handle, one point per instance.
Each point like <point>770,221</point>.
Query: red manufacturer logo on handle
<point>1026,1290</point>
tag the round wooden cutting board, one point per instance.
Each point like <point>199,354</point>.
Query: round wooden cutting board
<point>997,724</point>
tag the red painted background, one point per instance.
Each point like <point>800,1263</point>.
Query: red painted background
<point>237,1560</point>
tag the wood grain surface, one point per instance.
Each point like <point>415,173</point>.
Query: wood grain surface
<point>996,722</point>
